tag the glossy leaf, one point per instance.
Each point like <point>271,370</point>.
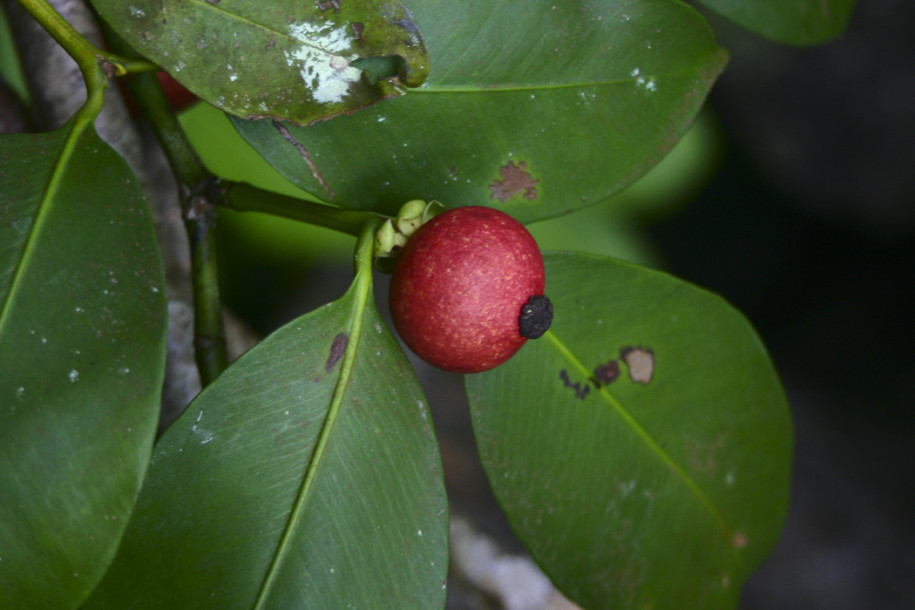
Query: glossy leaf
<point>667,484</point>
<point>82,351</point>
<point>225,519</point>
<point>797,22</point>
<point>536,109</point>
<point>283,58</point>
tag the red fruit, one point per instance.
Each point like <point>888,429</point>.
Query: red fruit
<point>463,287</point>
<point>178,97</point>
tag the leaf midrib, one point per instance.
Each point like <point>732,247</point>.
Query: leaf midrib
<point>497,88</point>
<point>261,26</point>
<point>649,441</point>
<point>360,299</point>
<point>29,247</point>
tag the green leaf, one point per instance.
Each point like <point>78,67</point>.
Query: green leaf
<point>82,352</point>
<point>796,22</point>
<point>306,476</point>
<point>667,485</point>
<point>536,110</point>
<point>283,59</point>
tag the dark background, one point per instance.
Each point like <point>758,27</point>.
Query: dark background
<point>808,229</point>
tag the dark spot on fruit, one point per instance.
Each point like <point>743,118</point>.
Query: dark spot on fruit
<point>640,361</point>
<point>536,316</point>
<point>516,180</point>
<point>581,390</point>
<point>337,348</point>
<point>605,374</point>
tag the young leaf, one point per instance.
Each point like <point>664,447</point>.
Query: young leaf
<point>641,449</point>
<point>535,108</point>
<point>797,22</point>
<point>283,59</point>
<point>82,352</point>
<point>306,476</point>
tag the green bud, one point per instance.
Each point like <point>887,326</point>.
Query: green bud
<point>385,239</point>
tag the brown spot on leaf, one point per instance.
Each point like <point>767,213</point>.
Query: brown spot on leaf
<point>605,374</point>
<point>337,348</point>
<point>740,540</point>
<point>358,28</point>
<point>640,361</point>
<point>323,5</point>
<point>516,180</point>
<point>305,155</point>
<point>581,390</point>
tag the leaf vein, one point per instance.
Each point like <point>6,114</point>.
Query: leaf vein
<point>655,447</point>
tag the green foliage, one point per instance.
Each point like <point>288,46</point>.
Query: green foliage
<point>796,22</point>
<point>306,476</point>
<point>641,449</point>
<point>82,339</point>
<point>283,59</point>
<point>637,421</point>
<point>536,125</point>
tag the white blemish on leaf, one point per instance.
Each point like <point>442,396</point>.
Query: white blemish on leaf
<point>73,376</point>
<point>22,225</point>
<point>640,362</point>
<point>649,83</point>
<point>324,60</point>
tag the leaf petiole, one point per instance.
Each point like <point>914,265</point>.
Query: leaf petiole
<point>247,198</point>
<point>94,63</point>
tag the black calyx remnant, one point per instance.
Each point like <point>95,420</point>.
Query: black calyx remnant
<point>536,316</point>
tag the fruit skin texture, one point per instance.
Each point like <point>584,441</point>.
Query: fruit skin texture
<point>459,285</point>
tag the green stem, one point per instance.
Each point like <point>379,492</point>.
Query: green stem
<point>153,104</point>
<point>201,197</point>
<point>88,57</point>
<point>210,351</point>
<point>82,52</point>
<point>247,198</point>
